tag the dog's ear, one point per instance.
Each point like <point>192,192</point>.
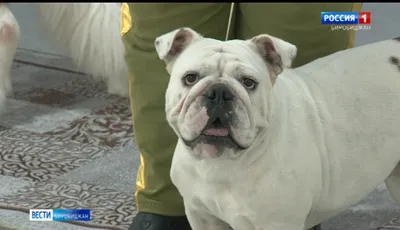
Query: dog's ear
<point>278,53</point>
<point>170,45</point>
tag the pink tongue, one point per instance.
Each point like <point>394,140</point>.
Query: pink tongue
<point>221,132</point>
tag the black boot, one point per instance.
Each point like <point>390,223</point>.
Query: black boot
<point>149,221</point>
<point>318,227</point>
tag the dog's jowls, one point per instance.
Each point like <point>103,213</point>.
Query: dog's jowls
<point>90,34</point>
<point>9,37</point>
<point>265,147</point>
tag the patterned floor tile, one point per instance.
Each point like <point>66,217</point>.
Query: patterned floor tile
<point>9,184</point>
<point>38,157</point>
<point>85,86</point>
<point>38,118</point>
<point>116,170</point>
<point>109,127</point>
<point>60,122</point>
<point>392,225</point>
<point>67,93</point>
<point>53,97</point>
<point>108,207</point>
<point>16,65</point>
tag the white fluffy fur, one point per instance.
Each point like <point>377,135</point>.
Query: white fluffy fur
<point>9,37</point>
<point>90,33</point>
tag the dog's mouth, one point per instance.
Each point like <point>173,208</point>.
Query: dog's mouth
<point>218,133</point>
<point>216,129</point>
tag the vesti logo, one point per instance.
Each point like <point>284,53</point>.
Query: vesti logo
<point>41,215</point>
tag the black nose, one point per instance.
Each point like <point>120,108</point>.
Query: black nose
<point>219,94</point>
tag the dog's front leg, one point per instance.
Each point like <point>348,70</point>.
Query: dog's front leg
<point>269,226</point>
<point>244,223</point>
<point>280,226</point>
<point>200,220</point>
<point>9,37</point>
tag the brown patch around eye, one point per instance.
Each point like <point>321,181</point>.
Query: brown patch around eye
<point>395,61</point>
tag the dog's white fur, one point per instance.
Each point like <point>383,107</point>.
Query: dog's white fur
<point>324,135</point>
<point>89,32</point>
<point>9,38</point>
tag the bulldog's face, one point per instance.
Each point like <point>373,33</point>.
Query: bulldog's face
<point>217,97</point>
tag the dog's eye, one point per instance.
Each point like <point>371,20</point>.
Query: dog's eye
<point>249,83</point>
<point>190,79</point>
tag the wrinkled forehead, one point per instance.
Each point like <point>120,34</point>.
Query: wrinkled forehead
<point>208,47</point>
<point>211,54</point>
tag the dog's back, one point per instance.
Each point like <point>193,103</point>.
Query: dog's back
<point>357,95</point>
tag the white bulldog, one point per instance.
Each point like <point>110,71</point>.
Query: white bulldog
<point>262,147</point>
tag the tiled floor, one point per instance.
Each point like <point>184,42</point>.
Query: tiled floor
<point>65,143</point>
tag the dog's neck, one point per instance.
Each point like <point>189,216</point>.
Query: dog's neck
<point>264,130</point>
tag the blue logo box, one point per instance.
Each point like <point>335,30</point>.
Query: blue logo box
<point>71,215</point>
<point>339,18</point>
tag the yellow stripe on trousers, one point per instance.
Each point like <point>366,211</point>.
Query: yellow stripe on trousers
<point>125,26</point>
